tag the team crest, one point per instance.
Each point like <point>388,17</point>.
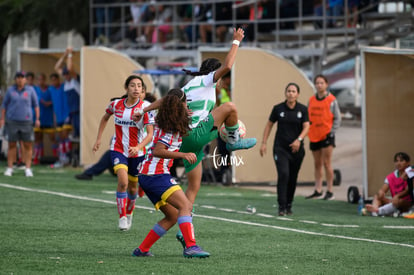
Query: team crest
<point>282,114</point>
<point>172,180</point>
<point>116,161</point>
<point>299,114</point>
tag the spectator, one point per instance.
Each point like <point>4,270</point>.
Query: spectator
<point>135,30</point>
<point>352,13</point>
<point>397,185</point>
<point>288,150</point>
<point>16,115</point>
<point>61,112</point>
<point>46,119</point>
<point>71,88</point>
<point>192,15</point>
<point>325,119</point>
<point>223,12</point>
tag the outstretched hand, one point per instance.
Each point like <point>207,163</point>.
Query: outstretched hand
<point>238,34</point>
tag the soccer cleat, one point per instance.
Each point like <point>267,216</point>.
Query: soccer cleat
<point>315,195</point>
<point>28,172</point>
<point>409,216</point>
<point>129,220</point>
<point>8,172</point>
<point>180,238</point>
<point>123,224</point>
<point>138,253</point>
<point>57,164</point>
<point>329,196</point>
<point>195,252</point>
<point>242,143</point>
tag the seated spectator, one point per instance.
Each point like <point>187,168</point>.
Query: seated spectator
<point>352,14</point>
<point>135,29</point>
<point>223,12</point>
<point>397,185</point>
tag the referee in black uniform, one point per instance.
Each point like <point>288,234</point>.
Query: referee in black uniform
<point>288,151</point>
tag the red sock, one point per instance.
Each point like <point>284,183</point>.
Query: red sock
<point>186,226</point>
<point>140,192</point>
<point>130,203</point>
<point>154,235</point>
<point>121,198</point>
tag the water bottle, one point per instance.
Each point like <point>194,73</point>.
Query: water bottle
<point>361,205</point>
<point>251,209</point>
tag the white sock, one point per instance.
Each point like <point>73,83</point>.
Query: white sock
<point>387,209</point>
<point>233,134</point>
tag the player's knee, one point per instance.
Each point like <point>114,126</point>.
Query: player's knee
<point>230,107</point>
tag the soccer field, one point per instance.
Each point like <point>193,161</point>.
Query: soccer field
<point>54,224</point>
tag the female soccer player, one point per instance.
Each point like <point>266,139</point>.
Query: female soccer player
<point>201,98</point>
<point>325,118</point>
<point>172,123</point>
<point>127,146</point>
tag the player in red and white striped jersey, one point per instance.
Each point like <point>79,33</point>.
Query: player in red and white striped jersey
<point>128,145</point>
<point>161,188</point>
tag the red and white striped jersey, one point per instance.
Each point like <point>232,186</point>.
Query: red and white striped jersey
<point>128,133</point>
<point>154,165</point>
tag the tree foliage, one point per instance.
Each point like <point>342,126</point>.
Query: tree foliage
<point>43,16</point>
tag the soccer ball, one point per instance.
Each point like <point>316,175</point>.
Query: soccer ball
<point>223,132</point>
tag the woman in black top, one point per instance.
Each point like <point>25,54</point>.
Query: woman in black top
<point>293,125</point>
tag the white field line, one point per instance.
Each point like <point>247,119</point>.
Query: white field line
<point>212,217</point>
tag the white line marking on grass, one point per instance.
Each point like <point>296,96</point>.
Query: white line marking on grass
<point>399,226</point>
<point>65,195</point>
<point>265,215</point>
<point>284,219</point>
<point>305,221</point>
<point>208,206</point>
<point>213,218</point>
<point>339,225</point>
<point>305,232</point>
<point>224,194</point>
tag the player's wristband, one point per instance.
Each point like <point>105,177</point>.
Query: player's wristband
<point>236,42</point>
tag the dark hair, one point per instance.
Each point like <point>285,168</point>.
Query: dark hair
<point>126,84</point>
<point>55,75</point>
<point>29,74</point>
<point>172,115</point>
<point>130,78</point>
<point>150,97</point>
<point>293,84</point>
<point>402,155</point>
<point>209,65</point>
<point>320,76</point>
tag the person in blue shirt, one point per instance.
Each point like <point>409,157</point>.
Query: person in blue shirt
<point>16,116</point>
<point>71,88</point>
<point>46,119</point>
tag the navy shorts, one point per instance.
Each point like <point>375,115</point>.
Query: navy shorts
<point>130,164</point>
<point>158,188</point>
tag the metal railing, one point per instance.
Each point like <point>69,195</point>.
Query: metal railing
<point>294,29</point>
